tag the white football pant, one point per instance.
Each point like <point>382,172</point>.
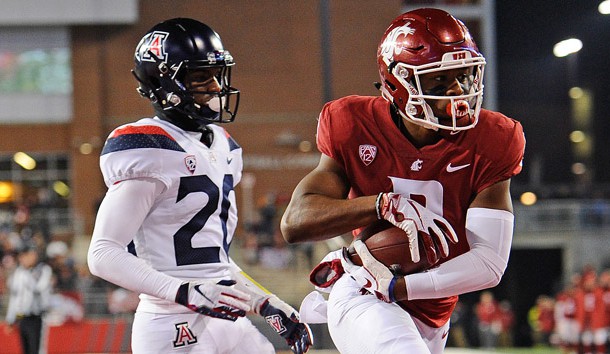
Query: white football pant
<point>364,324</point>
<point>195,334</point>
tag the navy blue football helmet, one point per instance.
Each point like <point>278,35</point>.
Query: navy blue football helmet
<point>166,54</point>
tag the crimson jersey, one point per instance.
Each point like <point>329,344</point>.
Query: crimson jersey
<point>567,302</point>
<point>359,134</point>
<point>606,299</point>
<point>590,309</point>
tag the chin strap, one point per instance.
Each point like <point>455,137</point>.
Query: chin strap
<point>185,123</point>
<point>207,136</point>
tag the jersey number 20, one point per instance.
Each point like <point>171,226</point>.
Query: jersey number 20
<point>185,252</point>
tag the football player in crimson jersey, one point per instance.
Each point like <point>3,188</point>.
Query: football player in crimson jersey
<point>171,181</point>
<point>566,324</point>
<point>604,283</point>
<point>426,157</point>
<point>591,314</point>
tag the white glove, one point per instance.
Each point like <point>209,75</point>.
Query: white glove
<point>280,316</point>
<point>374,276</point>
<point>215,299</point>
<point>418,222</point>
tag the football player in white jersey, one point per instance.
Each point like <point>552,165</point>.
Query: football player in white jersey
<point>167,220</point>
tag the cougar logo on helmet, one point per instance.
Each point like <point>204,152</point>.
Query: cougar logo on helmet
<point>389,48</point>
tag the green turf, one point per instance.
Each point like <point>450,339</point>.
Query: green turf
<point>534,350</point>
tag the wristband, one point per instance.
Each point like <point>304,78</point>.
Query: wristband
<point>391,290</point>
<point>378,206</point>
<point>182,296</point>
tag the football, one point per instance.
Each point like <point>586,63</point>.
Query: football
<point>390,246</point>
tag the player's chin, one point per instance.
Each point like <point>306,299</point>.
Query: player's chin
<point>202,100</point>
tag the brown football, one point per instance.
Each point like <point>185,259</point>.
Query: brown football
<point>390,245</point>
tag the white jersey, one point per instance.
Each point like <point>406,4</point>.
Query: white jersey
<point>188,231</point>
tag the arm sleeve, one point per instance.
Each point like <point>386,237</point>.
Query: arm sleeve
<point>120,215</point>
<point>489,233</point>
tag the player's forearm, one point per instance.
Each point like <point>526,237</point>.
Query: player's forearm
<point>112,263</point>
<point>466,273</point>
<point>489,234</point>
<point>114,229</point>
<point>315,217</point>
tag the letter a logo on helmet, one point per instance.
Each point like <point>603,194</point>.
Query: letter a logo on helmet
<point>155,44</point>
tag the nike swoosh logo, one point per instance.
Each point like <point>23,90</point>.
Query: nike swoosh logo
<point>229,160</point>
<point>456,168</point>
<point>196,287</point>
<point>445,334</point>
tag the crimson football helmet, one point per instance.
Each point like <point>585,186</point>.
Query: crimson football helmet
<point>170,50</point>
<point>426,41</point>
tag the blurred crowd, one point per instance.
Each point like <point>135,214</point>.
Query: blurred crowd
<point>580,321</point>
<point>576,319</point>
<point>74,292</point>
<point>488,323</point>
<point>262,243</point>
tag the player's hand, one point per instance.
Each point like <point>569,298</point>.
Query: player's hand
<point>419,223</point>
<point>214,299</point>
<point>285,321</point>
<point>374,276</point>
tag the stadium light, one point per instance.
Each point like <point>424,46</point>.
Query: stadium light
<point>24,160</point>
<point>528,198</point>
<point>604,7</point>
<point>567,47</point>
<point>61,188</point>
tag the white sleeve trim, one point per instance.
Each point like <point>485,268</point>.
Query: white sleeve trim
<point>119,217</point>
<point>489,233</point>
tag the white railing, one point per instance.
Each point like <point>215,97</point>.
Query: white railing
<point>563,215</point>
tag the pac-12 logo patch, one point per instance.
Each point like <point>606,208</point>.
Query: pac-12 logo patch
<point>152,43</point>
<point>367,153</point>
<point>191,163</point>
<point>184,335</point>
